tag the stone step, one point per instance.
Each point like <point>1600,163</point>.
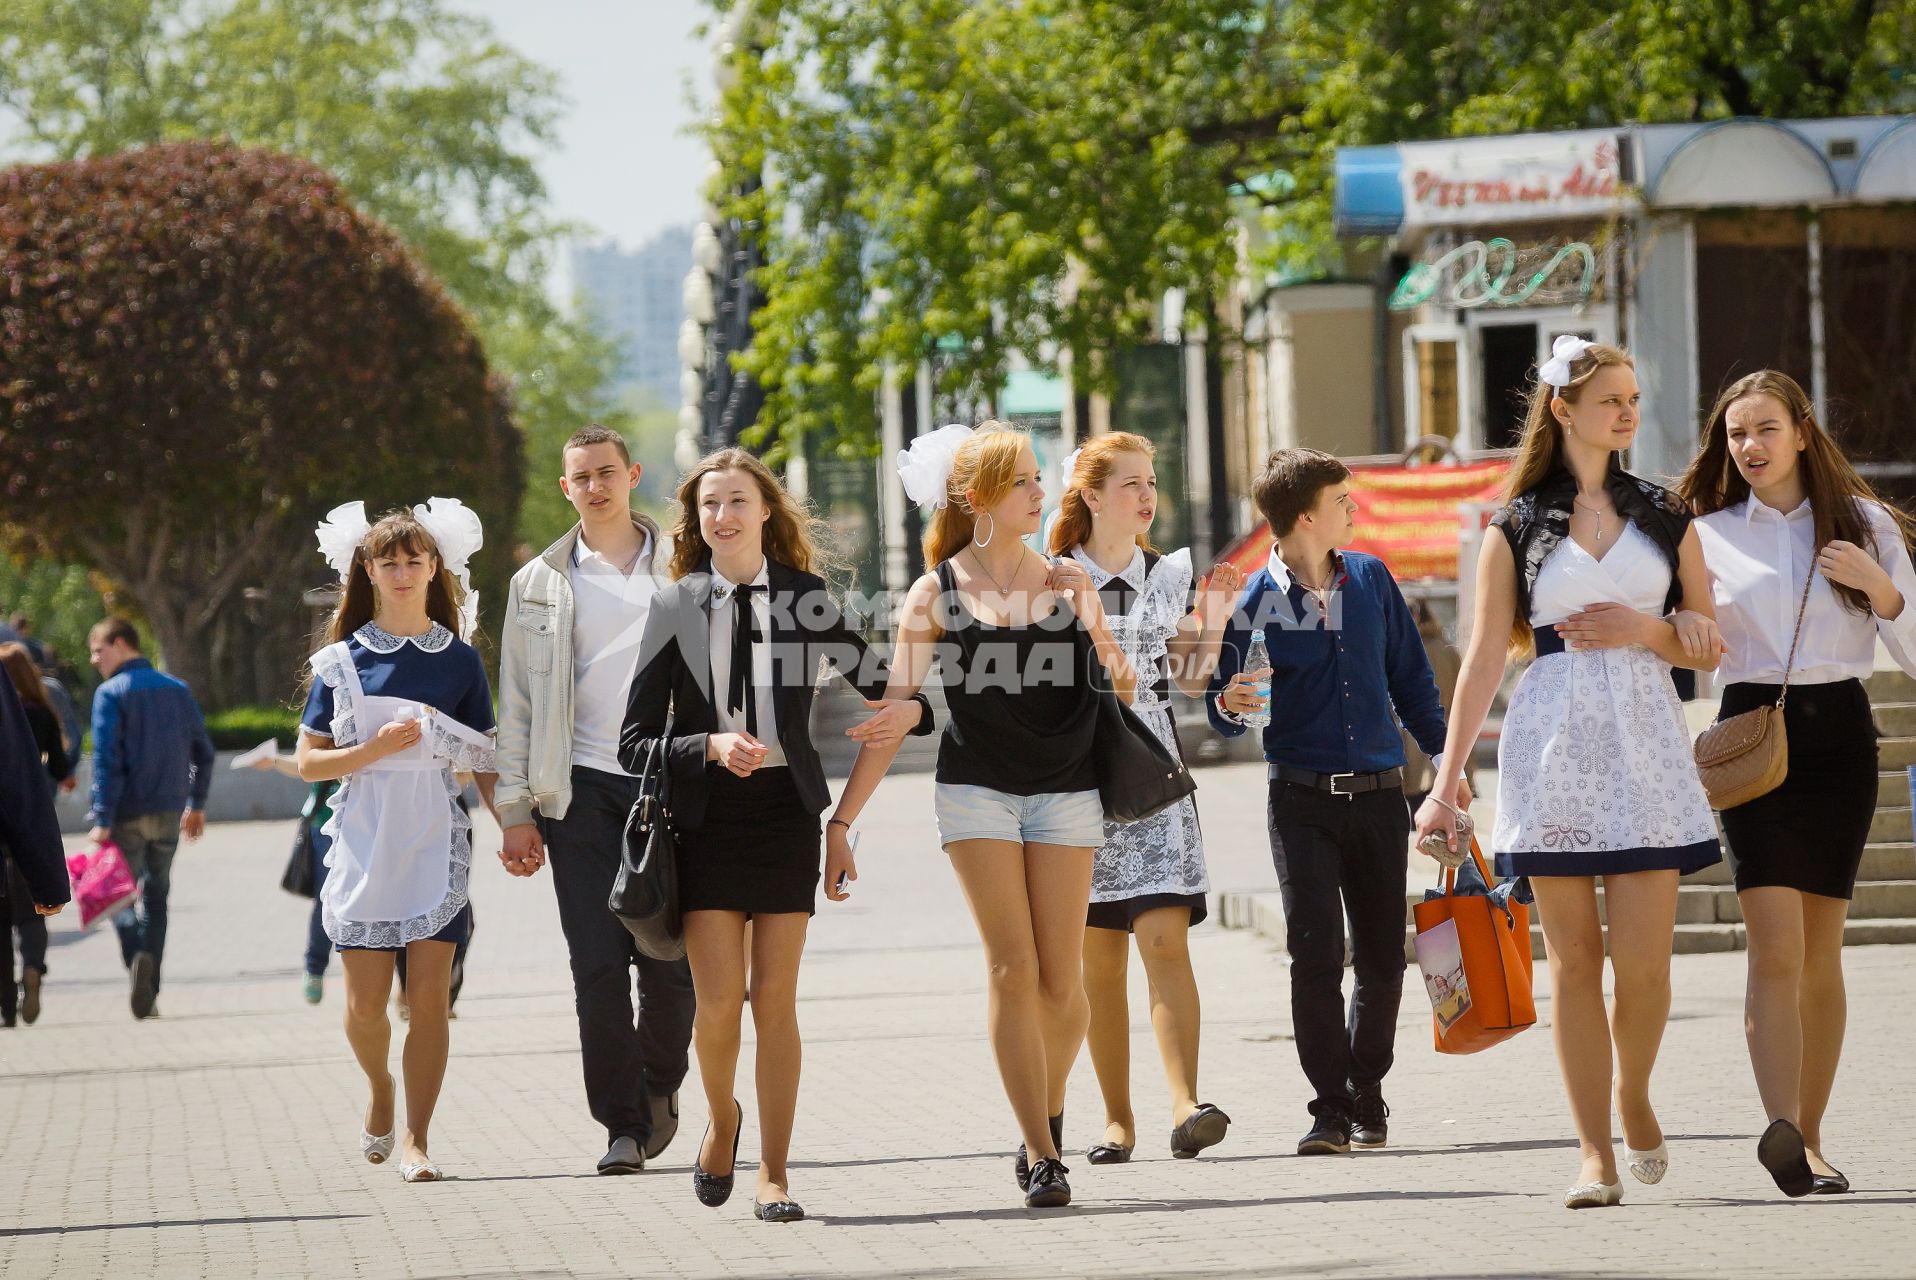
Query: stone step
<point>1896,753</point>
<point>1890,825</point>
<point>1895,719</point>
<point>1892,787</point>
<point>1890,686</point>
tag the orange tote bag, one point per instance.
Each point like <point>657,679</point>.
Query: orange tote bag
<point>1474,952</point>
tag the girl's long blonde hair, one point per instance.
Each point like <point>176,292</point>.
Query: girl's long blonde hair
<point>395,531</point>
<point>987,463</point>
<point>1096,461</point>
<point>792,536</point>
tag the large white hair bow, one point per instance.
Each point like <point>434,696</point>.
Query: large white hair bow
<point>1070,467</point>
<point>926,465</point>
<point>452,524</point>
<point>1556,370</point>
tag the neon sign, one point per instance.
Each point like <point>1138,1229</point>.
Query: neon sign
<point>1496,273</point>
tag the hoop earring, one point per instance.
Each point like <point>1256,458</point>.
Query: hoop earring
<point>985,541</point>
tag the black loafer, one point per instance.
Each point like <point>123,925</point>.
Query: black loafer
<point>1048,1189</point>
<point>1021,1167</point>
<point>1108,1153</point>
<point>665,1123</point>
<point>1781,1151</point>
<point>779,1211</point>
<point>1329,1136</point>
<point>714,1189</point>
<point>623,1156</point>
<point>1202,1128</point>
<point>1832,1183</point>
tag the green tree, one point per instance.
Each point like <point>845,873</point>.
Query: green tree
<point>1032,176</point>
<point>428,121</point>
<point>176,412</point>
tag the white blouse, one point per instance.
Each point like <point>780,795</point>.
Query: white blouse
<point>724,617</point>
<point>1757,557</point>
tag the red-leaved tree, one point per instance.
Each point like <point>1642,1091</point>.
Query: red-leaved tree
<point>202,350</point>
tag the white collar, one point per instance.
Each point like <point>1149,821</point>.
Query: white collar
<point>1132,573</point>
<point>582,553</point>
<point>1751,504</point>
<point>433,640</point>
<point>723,587</point>
<point>1281,572</point>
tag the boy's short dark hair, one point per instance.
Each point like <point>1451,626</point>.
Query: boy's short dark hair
<point>109,630</point>
<point>586,437</point>
<point>1288,485</point>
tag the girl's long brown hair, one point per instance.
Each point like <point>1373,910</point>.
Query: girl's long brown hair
<point>1540,450</point>
<point>1096,461</point>
<point>1836,492</point>
<point>793,536</point>
<point>395,531</point>
<point>25,677</point>
<point>987,463</point>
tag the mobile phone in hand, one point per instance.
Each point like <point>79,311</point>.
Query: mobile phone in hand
<point>844,877</point>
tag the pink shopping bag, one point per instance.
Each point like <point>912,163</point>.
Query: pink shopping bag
<point>102,882</point>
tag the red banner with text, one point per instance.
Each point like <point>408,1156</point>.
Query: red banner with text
<point>1408,517</point>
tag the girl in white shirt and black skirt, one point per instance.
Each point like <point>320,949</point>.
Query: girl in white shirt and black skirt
<point>1780,510</point>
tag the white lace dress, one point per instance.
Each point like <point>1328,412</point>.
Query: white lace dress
<point>1595,772</point>
<point>401,851</point>
<point>1160,861</point>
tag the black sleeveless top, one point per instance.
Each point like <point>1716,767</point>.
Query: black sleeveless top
<point>1023,708</point>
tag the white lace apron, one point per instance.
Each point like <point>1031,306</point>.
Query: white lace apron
<point>401,845</point>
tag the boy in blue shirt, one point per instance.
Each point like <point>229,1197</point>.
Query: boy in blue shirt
<point>1347,663</point>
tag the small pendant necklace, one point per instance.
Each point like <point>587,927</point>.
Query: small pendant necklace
<point>1597,513</point>
<point>979,562</point>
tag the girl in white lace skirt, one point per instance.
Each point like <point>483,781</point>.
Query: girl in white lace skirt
<point>399,704</point>
<point>1148,878</point>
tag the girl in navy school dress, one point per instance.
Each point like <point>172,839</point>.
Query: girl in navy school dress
<point>398,704</point>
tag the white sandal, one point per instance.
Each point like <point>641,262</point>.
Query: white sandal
<point>1593,1195</point>
<point>1649,1166</point>
<point>376,1150</point>
<point>427,1171</point>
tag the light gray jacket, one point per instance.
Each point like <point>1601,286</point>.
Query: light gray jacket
<point>535,680</point>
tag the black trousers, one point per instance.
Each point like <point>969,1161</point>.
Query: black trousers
<point>627,1055</point>
<point>1342,858</point>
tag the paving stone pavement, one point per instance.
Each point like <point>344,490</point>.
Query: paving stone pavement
<point>220,1138</point>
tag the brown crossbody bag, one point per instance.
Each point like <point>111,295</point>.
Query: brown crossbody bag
<point>1748,755</point>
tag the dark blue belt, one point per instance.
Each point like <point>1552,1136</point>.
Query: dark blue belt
<point>1549,641</point>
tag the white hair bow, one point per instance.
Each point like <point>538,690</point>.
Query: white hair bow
<point>1556,370</point>
<point>452,524</point>
<point>925,467</point>
<point>1071,465</point>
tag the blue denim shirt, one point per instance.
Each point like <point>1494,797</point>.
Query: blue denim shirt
<point>1340,678</point>
<point>151,753</point>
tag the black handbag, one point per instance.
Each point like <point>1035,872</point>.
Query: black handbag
<point>645,893</point>
<point>297,879</point>
<point>1137,775</point>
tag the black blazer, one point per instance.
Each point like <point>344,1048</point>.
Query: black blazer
<point>675,676</point>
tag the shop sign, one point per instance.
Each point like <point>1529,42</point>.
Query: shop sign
<point>1534,176</point>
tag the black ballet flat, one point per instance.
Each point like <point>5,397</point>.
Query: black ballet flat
<point>1021,1167</point>
<point>1202,1128</point>
<point>1832,1183</point>
<point>779,1211</point>
<point>1781,1151</point>
<point>1108,1153</point>
<point>714,1189</point>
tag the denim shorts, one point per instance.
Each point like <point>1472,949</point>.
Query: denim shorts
<point>979,813</point>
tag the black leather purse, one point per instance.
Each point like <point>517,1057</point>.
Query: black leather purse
<point>1137,775</point>
<point>645,893</point>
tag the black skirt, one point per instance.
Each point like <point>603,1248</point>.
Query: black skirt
<point>758,849</point>
<point>1809,833</point>
<point>1123,914</point>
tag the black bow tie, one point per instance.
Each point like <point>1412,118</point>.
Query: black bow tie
<point>739,696</point>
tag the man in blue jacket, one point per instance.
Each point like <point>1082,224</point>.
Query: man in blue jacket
<point>152,764</point>
<point>1346,664</point>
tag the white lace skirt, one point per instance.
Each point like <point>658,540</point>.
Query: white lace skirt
<point>1595,773</point>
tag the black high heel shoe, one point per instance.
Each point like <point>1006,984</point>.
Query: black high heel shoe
<point>1021,1167</point>
<point>714,1189</point>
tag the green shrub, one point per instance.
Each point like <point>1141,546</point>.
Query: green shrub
<point>238,728</point>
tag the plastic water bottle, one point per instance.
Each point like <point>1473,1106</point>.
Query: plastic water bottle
<point>1258,658</point>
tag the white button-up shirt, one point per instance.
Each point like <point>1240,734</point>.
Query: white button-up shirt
<point>610,603</point>
<point>724,617</point>
<point>1758,557</point>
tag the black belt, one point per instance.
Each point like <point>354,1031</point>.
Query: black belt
<point>1339,784</point>
<point>1549,640</point>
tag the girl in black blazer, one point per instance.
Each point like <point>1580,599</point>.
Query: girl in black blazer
<point>725,675</point>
